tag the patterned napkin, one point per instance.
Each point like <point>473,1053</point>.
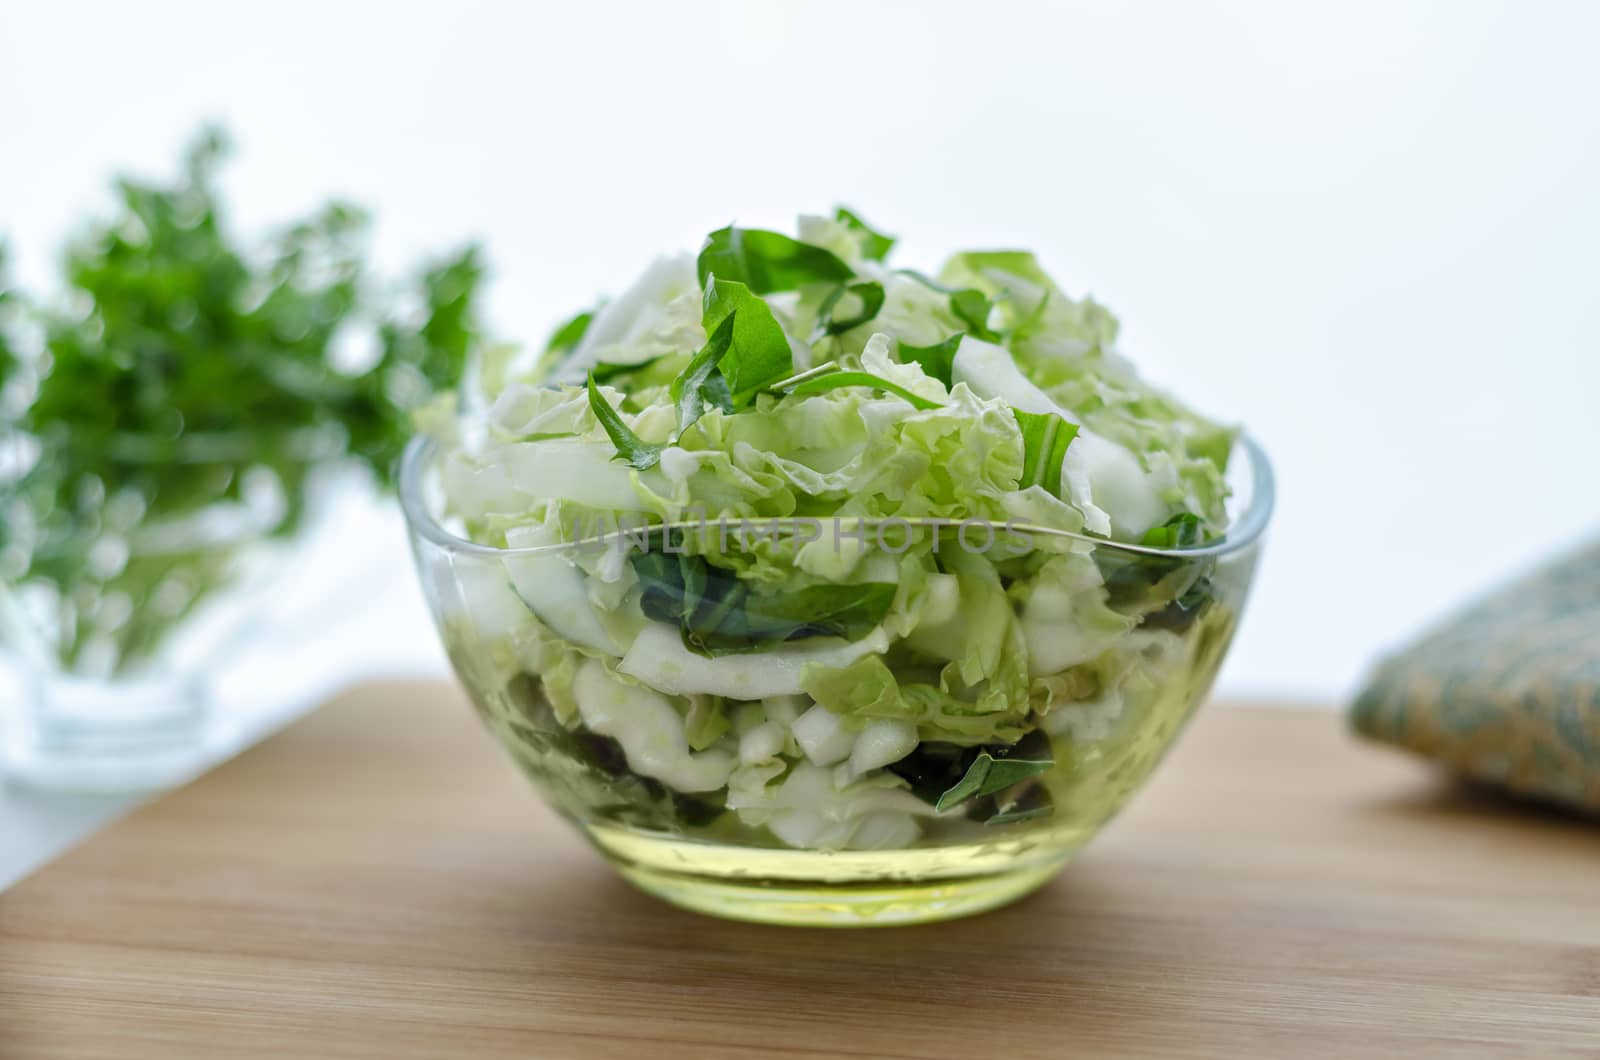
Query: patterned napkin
<point>1507,691</point>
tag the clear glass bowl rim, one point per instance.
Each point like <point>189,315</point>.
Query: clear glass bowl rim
<point>1244,531</point>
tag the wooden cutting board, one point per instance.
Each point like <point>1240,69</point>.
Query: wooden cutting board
<point>377,882</point>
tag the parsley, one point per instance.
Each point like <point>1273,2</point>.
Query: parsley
<point>185,366</point>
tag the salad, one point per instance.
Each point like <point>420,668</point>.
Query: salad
<point>811,551</point>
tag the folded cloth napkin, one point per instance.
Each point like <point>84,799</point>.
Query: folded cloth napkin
<point>1507,691</point>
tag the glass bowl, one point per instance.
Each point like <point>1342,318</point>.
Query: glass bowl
<point>836,777</point>
<point>115,648</point>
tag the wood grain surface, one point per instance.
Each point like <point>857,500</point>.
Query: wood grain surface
<point>376,881</point>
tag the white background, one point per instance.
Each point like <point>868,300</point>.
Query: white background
<point>1370,232</point>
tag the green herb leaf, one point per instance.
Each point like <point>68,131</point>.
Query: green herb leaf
<point>604,371</point>
<point>565,338</point>
<point>937,361</point>
<point>1045,437</point>
<point>700,383</point>
<point>714,393</point>
<point>718,614</point>
<point>758,351</point>
<point>972,308</point>
<point>988,774</point>
<point>758,621</point>
<point>835,380</point>
<point>1033,801</point>
<point>990,781</point>
<point>875,246</point>
<point>767,261</point>
<point>1167,592</point>
<point>1179,615</point>
<point>871,295</point>
<point>1181,531</point>
<point>967,304</point>
<point>637,454</point>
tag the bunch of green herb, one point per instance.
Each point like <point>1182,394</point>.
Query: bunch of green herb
<point>188,374</point>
